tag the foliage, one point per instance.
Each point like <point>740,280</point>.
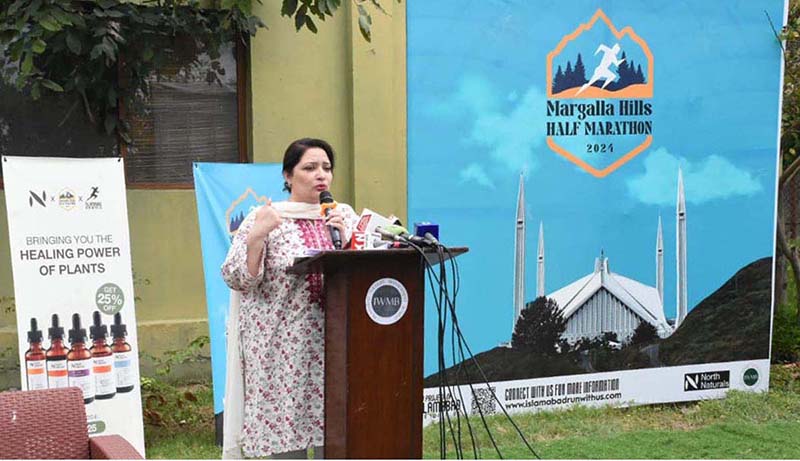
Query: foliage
<point>644,333</point>
<point>166,405</point>
<point>7,304</point>
<point>102,50</point>
<point>790,135</point>
<point>9,359</point>
<point>790,126</point>
<point>539,327</point>
<point>785,331</point>
<point>99,52</point>
<point>303,12</point>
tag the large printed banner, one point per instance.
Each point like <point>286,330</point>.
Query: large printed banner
<point>226,193</point>
<point>73,287</point>
<point>612,167</point>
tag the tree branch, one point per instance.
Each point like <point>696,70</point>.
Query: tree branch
<point>794,261</point>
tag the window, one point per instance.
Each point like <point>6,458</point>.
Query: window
<point>191,114</point>
<point>195,111</point>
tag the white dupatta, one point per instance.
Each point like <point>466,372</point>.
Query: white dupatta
<point>233,402</point>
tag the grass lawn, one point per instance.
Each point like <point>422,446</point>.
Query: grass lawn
<point>744,425</point>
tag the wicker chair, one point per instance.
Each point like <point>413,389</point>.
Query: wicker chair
<point>51,424</point>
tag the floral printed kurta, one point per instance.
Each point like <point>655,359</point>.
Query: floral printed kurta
<point>281,327</point>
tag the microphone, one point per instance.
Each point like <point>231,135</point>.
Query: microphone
<point>399,234</point>
<point>327,203</point>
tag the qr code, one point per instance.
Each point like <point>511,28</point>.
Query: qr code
<point>483,400</point>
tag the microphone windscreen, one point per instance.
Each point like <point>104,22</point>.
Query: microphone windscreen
<point>325,197</point>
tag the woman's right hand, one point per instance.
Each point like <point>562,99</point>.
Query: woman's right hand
<point>267,219</point>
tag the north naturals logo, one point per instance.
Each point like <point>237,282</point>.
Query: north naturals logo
<point>599,86</point>
<point>37,199</point>
<point>707,380</point>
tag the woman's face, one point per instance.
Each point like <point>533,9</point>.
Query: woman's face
<point>312,175</point>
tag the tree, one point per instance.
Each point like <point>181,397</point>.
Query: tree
<point>580,72</point>
<point>98,51</point>
<point>558,81</point>
<point>623,70</point>
<point>644,333</point>
<point>569,76</point>
<point>790,137</point>
<point>539,327</point>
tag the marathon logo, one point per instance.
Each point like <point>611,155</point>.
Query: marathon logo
<point>708,380</point>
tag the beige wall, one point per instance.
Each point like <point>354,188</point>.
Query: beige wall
<point>333,85</point>
<point>336,86</point>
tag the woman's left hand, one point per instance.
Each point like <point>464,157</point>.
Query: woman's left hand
<point>336,219</point>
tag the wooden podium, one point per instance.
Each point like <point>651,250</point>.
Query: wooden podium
<point>373,371</point>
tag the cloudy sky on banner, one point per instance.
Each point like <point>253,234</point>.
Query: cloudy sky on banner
<point>477,118</point>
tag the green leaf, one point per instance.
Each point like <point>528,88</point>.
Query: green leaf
<point>50,24</point>
<point>364,23</point>
<point>289,7</point>
<point>310,24</point>
<point>27,64</point>
<point>147,54</point>
<point>74,43</point>
<point>51,85</point>
<point>325,7</point>
<point>300,17</point>
<point>38,46</point>
<point>14,7</point>
<point>97,50</point>
<point>36,91</point>
<point>61,17</point>
<point>379,7</point>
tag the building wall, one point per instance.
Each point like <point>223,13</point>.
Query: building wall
<point>332,85</point>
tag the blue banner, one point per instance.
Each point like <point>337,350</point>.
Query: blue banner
<point>612,167</point>
<point>226,193</point>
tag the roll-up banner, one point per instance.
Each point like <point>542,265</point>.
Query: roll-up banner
<point>226,193</point>
<point>612,166</point>
<point>73,286</point>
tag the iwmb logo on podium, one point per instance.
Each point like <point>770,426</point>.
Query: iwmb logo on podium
<point>599,96</point>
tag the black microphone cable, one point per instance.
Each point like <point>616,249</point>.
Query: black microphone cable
<point>444,300</point>
<point>442,321</point>
<point>463,342</point>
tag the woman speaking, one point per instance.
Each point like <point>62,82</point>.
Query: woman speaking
<point>281,318</point>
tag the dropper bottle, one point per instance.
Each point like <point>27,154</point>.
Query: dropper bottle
<point>35,359</point>
<point>79,361</point>
<point>123,357</point>
<point>56,356</point>
<point>102,360</point>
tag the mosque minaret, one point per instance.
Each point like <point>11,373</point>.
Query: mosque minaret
<point>660,262</point>
<point>681,253</point>
<point>540,263</point>
<point>519,254</point>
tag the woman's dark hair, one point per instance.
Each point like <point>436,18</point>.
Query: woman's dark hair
<point>296,150</point>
